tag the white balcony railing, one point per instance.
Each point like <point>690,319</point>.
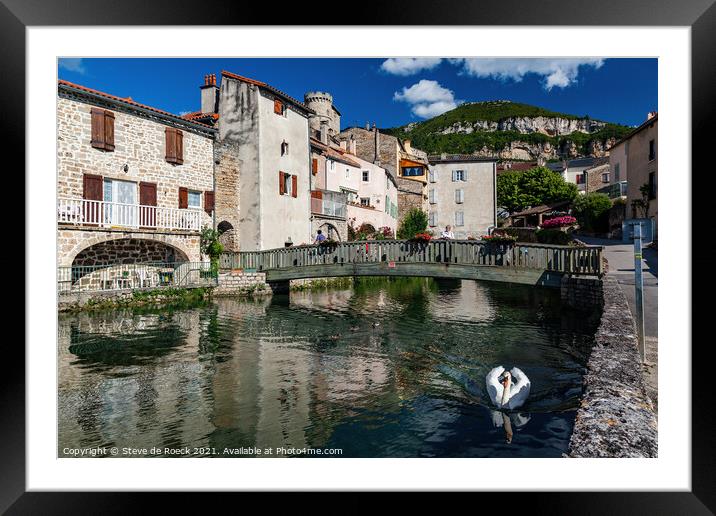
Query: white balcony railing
<point>327,207</point>
<point>114,214</point>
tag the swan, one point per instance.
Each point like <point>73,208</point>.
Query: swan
<point>503,392</point>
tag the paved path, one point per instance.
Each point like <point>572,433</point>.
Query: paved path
<point>621,265</point>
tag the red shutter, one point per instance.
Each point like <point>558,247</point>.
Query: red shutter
<point>314,166</point>
<point>147,199</point>
<point>281,189</point>
<point>98,133</point>
<point>92,191</point>
<point>183,197</point>
<point>179,141</point>
<point>209,202</point>
<point>278,107</point>
<point>108,131</point>
<point>170,145</point>
<point>294,186</point>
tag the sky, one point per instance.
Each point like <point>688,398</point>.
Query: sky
<point>396,91</point>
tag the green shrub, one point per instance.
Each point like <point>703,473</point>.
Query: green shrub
<point>592,212</point>
<point>414,222</point>
<point>552,236</point>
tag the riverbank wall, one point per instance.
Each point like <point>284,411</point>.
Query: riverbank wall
<point>616,417</point>
<point>149,297</point>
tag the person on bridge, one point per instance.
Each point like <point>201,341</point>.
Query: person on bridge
<point>320,237</point>
<point>447,234</point>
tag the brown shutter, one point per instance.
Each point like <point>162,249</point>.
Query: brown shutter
<point>179,153</point>
<point>209,202</point>
<point>170,144</point>
<point>147,197</point>
<point>278,107</point>
<point>98,134</point>
<point>92,190</point>
<point>294,186</point>
<point>281,189</point>
<point>183,197</point>
<point>314,166</point>
<point>108,131</point>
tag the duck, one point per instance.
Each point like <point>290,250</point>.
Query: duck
<point>507,389</point>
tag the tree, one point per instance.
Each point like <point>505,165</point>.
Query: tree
<point>592,212</point>
<point>517,191</point>
<point>210,246</point>
<point>415,221</point>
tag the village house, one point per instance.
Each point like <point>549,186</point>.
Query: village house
<point>572,171</point>
<point>262,156</point>
<point>407,166</point>
<point>135,184</point>
<point>462,193</point>
<point>597,178</point>
<point>345,189</point>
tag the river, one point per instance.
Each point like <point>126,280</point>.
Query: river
<point>387,368</point>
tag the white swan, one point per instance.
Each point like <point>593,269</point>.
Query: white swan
<point>503,392</point>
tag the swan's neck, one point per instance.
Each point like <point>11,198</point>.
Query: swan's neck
<point>506,392</point>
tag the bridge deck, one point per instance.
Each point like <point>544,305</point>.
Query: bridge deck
<point>534,264</point>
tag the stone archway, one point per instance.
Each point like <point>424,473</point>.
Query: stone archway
<point>121,251</point>
<point>228,236</point>
<point>330,231</point>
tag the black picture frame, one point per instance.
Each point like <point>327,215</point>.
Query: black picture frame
<point>700,15</point>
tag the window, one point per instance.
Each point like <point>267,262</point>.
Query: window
<point>459,218</point>
<point>459,196</point>
<point>652,185</point>
<point>174,143</point>
<point>366,176</point>
<point>580,178</point>
<point>433,219</point>
<point>652,150</point>
<point>194,199</point>
<point>616,172</point>
<point>432,176</point>
<point>459,175</point>
<point>287,184</point>
<point>102,129</point>
<point>365,201</point>
<point>333,165</point>
<point>431,196</point>
<point>605,177</point>
<point>278,107</point>
<point>412,171</point>
<point>284,148</point>
<point>314,166</point>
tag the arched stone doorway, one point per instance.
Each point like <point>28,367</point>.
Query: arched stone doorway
<point>127,251</point>
<point>330,231</point>
<point>227,235</point>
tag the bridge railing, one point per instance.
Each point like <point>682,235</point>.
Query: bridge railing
<point>574,260</point>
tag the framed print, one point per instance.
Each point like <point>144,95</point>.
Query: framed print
<point>423,248</point>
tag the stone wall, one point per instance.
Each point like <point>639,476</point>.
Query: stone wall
<point>322,222</point>
<point>410,195</point>
<point>127,250</point>
<point>239,282</point>
<point>582,293</point>
<point>616,416</point>
<point>71,242</point>
<point>226,179</point>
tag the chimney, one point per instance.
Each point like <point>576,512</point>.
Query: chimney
<point>324,132</point>
<point>376,136</point>
<point>367,126</point>
<point>344,145</point>
<point>352,145</point>
<point>650,115</point>
<point>407,146</point>
<point>209,94</point>
<point>443,155</point>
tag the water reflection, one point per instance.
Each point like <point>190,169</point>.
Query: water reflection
<point>388,368</point>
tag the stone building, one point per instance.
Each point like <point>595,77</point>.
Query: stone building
<point>263,156</point>
<point>641,146</point>
<point>462,194</point>
<point>134,183</point>
<point>406,165</point>
<point>597,178</point>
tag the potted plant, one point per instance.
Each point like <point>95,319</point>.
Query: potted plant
<point>422,237</point>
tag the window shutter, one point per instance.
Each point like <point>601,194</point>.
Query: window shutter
<point>183,198</point>
<point>108,131</point>
<point>314,166</point>
<point>170,141</point>
<point>92,187</point>
<point>179,141</point>
<point>98,134</point>
<point>454,175</point>
<point>209,202</point>
<point>278,107</point>
<point>294,186</point>
<point>464,175</point>
<point>281,185</point>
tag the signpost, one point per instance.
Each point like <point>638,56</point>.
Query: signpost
<point>639,291</point>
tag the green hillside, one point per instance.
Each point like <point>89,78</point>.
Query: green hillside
<point>427,135</point>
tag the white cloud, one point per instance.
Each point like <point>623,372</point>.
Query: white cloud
<point>409,65</point>
<point>557,72</point>
<point>73,64</point>
<point>427,98</point>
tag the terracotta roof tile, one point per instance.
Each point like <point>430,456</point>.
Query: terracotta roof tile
<point>268,87</point>
<point>127,100</point>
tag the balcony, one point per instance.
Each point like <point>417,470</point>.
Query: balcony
<point>325,202</point>
<point>83,212</point>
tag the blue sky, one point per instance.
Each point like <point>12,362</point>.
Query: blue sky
<point>393,92</point>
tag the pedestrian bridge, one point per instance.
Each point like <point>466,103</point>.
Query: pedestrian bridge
<point>532,264</point>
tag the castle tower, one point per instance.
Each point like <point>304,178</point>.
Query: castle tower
<point>326,113</point>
